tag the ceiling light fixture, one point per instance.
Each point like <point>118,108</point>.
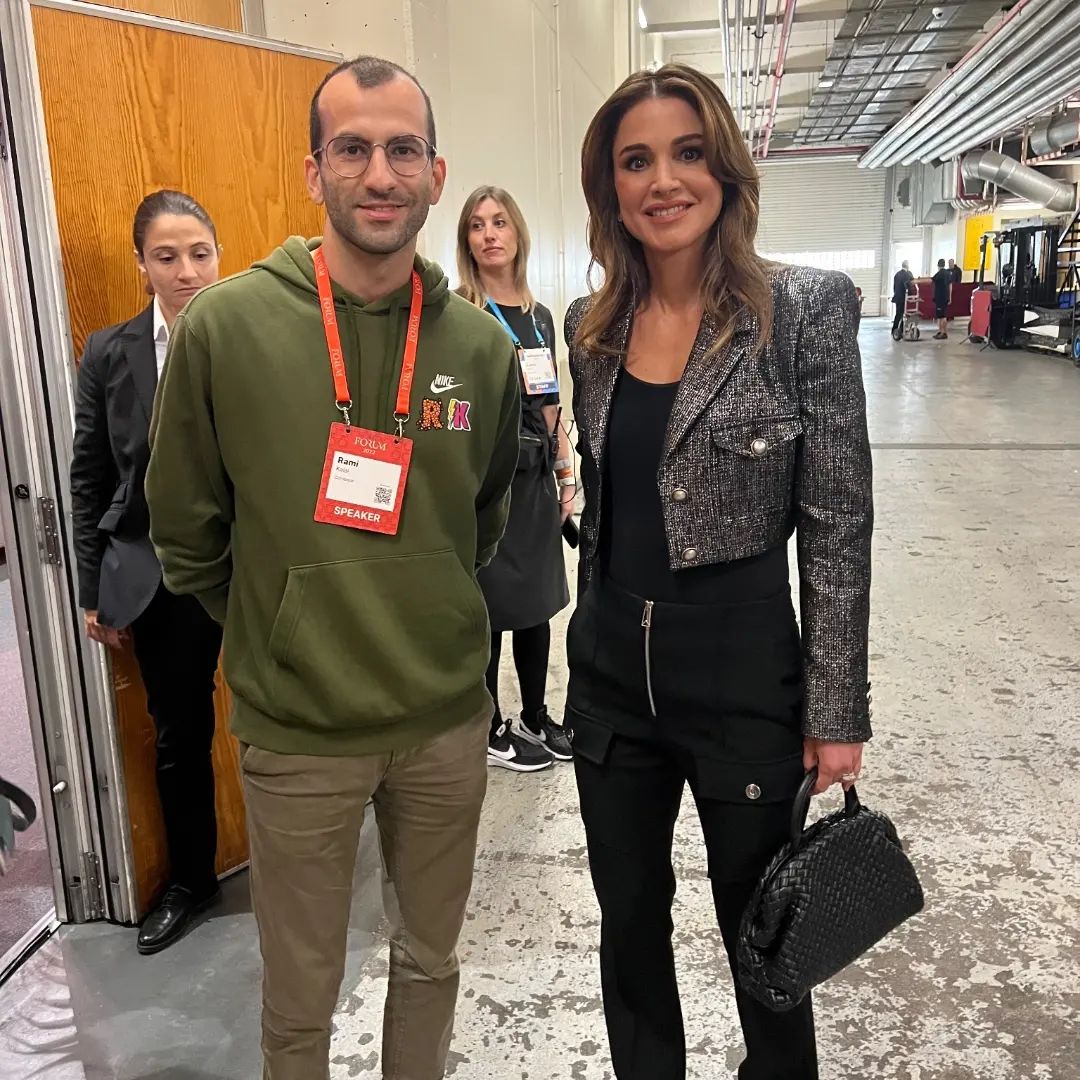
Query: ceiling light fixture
<point>641,20</point>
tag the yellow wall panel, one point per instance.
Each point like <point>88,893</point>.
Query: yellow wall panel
<point>974,228</point>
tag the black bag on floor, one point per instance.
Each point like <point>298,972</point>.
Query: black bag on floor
<point>17,814</point>
<point>831,892</point>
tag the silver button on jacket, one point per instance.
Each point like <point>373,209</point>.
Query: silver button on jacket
<point>771,442</point>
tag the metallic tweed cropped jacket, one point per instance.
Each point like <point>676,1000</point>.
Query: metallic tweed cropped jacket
<point>760,446</point>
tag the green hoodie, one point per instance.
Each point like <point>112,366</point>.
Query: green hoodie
<point>337,640</point>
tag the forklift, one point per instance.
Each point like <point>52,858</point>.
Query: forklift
<point>1035,302</point>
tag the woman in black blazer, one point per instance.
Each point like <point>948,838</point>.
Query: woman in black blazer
<point>120,584</point>
<point>720,404</point>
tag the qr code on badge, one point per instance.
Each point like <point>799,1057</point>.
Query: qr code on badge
<point>384,495</point>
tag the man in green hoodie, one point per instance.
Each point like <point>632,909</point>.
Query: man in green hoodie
<point>333,446</point>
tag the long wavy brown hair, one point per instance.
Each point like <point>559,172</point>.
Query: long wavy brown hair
<point>735,276</point>
<point>471,286</point>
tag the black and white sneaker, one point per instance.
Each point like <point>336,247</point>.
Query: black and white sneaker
<point>543,731</point>
<point>507,750</point>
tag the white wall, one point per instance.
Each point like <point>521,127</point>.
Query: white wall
<point>346,26</point>
<point>513,83</point>
<point>948,240</point>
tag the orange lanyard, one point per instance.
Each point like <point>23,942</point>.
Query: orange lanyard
<point>342,396</point>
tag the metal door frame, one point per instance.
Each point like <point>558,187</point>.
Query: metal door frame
<point>59,666</point>
<point>89,819</point>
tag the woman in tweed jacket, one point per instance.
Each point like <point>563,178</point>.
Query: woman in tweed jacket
<point>721,409</point>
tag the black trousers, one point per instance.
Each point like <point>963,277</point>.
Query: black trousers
<point>899,318</point>
<point>532,648</point>
<point>177,646</point>
<point>726,684</point>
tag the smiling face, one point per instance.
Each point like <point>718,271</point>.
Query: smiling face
<point>179,257</point>
<point>668,198</point>
<point>493,241</point>
<point>381,211</point>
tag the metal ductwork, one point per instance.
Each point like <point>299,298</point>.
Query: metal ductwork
<point>1047,61</point>
<point>1008,173</point>
<point>881,60</point>
<point>1049,78</point>
<point>1027,63</point>
<point>755,82</point>
<point>1056,133</point>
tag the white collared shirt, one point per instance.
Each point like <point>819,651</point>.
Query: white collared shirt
<point>161,337</point>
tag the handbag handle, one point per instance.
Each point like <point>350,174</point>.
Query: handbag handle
<point>20,801</point>
<point>801,806</point>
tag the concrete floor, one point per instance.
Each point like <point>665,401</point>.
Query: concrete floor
<point>976,668</point>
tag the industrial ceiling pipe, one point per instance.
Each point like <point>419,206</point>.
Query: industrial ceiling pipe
<point>1040,55</point>
<point>1048,93</point>
<point>1033,101</point>
<point>740,66</point>
<point>1055,133</point>
<point>759,35</point>
<point>1008,173</point>
<point>756,144</point>
<point>778,72</point>
<point>980,57</point>
<point>1011,31</point>
<point>1050,57</point>
<point>818,152</point>
<point>725,45</point>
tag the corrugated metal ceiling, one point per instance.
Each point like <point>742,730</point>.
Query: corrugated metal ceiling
<point>853,67</point>
<point>882,60</point>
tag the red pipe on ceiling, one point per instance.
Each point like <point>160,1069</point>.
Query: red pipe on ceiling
<point>956,68</point>
<point>778,72</point>
<point>819,151</point>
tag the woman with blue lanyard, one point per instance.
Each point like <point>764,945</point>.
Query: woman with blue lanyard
<point>525,584</point>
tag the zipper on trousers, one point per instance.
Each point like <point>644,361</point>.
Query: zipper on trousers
<point>646,623</point>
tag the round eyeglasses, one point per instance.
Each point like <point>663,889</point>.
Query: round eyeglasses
<point>349,156</point>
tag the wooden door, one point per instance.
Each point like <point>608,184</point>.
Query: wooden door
<point>129,110</point>
<point>224,14</point>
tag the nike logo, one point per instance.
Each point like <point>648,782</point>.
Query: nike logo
<point>441,383</point>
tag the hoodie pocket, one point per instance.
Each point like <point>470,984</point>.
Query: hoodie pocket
<point>377,640</point>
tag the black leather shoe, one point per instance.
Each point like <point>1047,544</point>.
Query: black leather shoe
<point>172,916</point>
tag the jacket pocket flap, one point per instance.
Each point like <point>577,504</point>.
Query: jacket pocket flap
<point>591,740</point>
<point>757,438</point>
<point>748,782</point>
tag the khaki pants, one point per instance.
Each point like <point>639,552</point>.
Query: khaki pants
<point>304,818</point>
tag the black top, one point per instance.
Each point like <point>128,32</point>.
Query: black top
<point>957,274</point>
<point>633,549</point>
<point>942,283</point>
<point>900,282</point>
<point>532,420</point>
<point>525,584</point>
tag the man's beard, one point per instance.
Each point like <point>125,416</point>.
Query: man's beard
<point>375,238</point>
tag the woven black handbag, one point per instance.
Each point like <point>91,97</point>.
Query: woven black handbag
<point>830,893</point>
